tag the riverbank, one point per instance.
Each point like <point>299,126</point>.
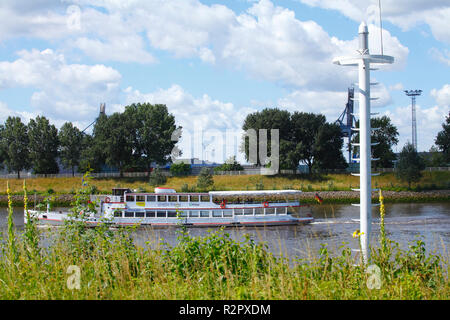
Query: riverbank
<point>328,197</point>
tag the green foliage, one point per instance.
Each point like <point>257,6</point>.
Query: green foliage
<point>219,254</point>
<point>443,139</point>
<point>386,137</point>
<point>70,145</point>
<point>409,165</point>
<point>157,178</point>
<point>305,137</point>
<point>205,179</point>
<point>209,267</point>
<point>230,164</point>
<point>43,145</point>
<point>153,129</point>
<point>180,169</point>
<point>14,145</point>
<point>434,158</point>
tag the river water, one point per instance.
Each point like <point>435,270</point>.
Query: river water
<point>333,225</point>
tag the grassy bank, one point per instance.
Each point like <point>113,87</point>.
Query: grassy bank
<point>335,188</point>
<point>333,182</point>
<point>110,266</point>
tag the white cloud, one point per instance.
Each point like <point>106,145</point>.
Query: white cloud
<point>215,118</point>
<point>428,122</point>
<point>267,41</point>
<point>404,13</point>
<point>441,56</point>
<point>428,119</point>
<point>442,96</point>
<point>64,91</point>
<point>396,87</point>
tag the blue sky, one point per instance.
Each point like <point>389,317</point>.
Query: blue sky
<point>213,62</point>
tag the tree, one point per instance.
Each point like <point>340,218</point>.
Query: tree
<point>328,147</point>
<point>385,138</point>
<point>14,145</point>
<point>443,139</point>
<point>180,169</point>
<point>153,129</point>
<point>70,139</point>
<point>43,144</point>
<point>118,144</point>
<point>268,119</point>
<point>91,156</point>
<point>205,179</point>
<point>304,137</point>
<point>230,165</point>
<point>409,165</point>
<point>434,158</point>
<point>157,178</point>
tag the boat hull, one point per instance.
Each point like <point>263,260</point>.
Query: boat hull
<point>58,218</point>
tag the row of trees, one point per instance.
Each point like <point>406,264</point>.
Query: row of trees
<point>304,137</point>
<point>135,138</point>
<point>141,136</point>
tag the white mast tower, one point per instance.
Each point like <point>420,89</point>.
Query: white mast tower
<point>363,60</point>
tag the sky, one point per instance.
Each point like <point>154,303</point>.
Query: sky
<point>214,62</point>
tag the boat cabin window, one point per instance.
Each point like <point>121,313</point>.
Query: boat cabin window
<point>140,198</point>
<point>130,199</point>
<point>195,198</point>
<point>204,214</point>
<point>161,214</point>
<point>183,198</point>
<point>149,214</point>
<point>194,213</point>
<point>139,214</point>
<point>248,212</point>
<point>183,214</point>
<point>129,214</point>
<point>162,198</point>
<point>151,198</point>
<point>238,212</point>
<point>173,198</point>
<point>204,198</point>
<point>270,210</point>
<point>217,213</point>
<point>281,210</point>
<point>259,211</point>
<point>118,214</point>
<point>227,213</point>
<point>171,214</point>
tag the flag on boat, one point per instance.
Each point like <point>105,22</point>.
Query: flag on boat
<point>319,199</point>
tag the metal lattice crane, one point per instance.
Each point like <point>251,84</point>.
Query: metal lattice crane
<point>347,120</point>
<point>102,111</point>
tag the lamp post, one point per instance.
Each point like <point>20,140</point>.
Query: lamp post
<point>413,94</point>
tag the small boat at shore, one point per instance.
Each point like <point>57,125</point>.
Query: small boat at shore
<point>165,207</point>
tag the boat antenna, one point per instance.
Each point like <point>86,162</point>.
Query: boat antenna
<point>381,27</point>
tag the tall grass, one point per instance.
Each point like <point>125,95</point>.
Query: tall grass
<point>210,267</point>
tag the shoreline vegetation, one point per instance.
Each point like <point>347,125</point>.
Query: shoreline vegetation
<point>332,188</point>
<point>79,262</point>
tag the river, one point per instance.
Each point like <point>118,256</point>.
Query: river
<point>333,225</point>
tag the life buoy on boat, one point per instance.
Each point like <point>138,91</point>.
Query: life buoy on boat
<point>107,199</point>
<point>223,204</point>
<point>265,204</point>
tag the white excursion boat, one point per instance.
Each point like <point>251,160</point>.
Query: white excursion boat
<point>166,207</point>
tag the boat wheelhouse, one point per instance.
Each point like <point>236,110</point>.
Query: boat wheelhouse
<point>166,207</point>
